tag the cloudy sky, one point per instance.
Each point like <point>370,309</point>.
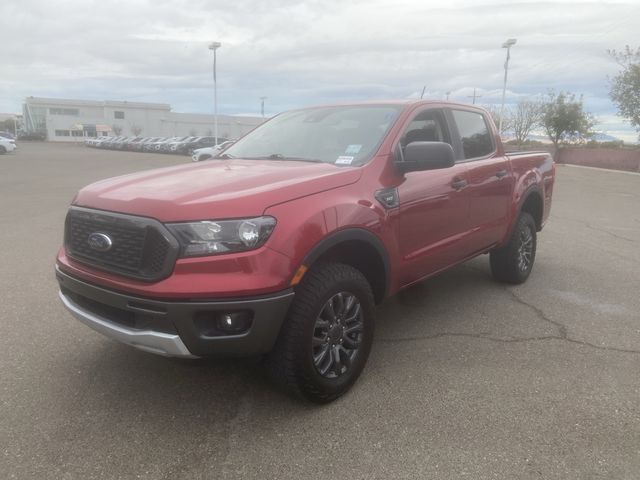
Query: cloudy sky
<point>307,52</point>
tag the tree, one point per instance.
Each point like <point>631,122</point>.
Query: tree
<point>564,119</point>
<point>625,87</point>
<point>117,129</point>
<point>524,117</point>
<point>494,111</point>
<point>136,130</point>
<point>9,125</point>
<point>193,132</point>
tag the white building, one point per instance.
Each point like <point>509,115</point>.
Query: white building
<point>71,120</point>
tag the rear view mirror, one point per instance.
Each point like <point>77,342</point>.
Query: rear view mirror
<point>426,156</point>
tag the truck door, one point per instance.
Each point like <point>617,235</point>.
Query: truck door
<point>433,204</point>
<point>489,176</point>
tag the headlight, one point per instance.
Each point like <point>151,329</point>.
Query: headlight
<point>223,236</point>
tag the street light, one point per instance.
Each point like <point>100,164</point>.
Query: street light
<point>262,99</point>
<point>215,46</point>
<point>508,44</point>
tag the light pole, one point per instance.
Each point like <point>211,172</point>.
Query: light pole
<point>262,99</point>
<point>508,44</point>
<point>215,46</point>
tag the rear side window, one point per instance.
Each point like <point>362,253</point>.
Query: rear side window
<point>474,134</point>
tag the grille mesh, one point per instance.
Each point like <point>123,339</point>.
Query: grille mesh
<point>138,247</point>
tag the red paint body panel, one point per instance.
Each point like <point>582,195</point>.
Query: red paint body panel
<point>213,189</point>
<point>434,226</point>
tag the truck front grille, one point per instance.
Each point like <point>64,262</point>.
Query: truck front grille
<point>140,247</point>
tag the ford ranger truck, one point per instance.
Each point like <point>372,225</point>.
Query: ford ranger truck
<point>284,243</point>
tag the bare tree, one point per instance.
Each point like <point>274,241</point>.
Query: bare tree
<point>524,117</point>
<point>117,129</point>
<point>136,130</point>
<point>494,111</point>
<point>193,132</point>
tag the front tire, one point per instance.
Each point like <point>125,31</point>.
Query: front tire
<point>513,262</point>
<point>2,150</point>
<point>327,336</point>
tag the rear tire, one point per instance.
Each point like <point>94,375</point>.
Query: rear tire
<point>2,150</point>
<point>326,339</point>
<point>513,262</point>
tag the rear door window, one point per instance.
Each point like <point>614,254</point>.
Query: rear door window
<point>475,135</point>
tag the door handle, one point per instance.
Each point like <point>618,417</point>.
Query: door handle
<point>459,184</point>
<point>501,173</point>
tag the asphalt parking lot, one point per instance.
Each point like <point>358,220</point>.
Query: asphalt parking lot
<point>467,378</point>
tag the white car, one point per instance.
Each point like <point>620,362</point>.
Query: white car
<point>7,145</point>
<point>206,153</point>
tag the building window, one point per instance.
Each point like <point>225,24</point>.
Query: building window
<point>77,133</point>
<point>119,115</point>
<point>64,111</point>
<point>62,133</point>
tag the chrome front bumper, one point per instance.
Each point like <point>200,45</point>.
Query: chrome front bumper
<point>159,343</point>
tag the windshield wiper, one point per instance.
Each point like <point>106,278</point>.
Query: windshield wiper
<point>279,156</point>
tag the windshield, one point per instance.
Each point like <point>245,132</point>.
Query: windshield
<point>342,135</point>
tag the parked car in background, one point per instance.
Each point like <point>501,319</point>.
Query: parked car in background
<point>151,145</point>
<point>140,146</point>
<point>108,142</point>
<point>206,153</point>
<point>121,143</point>
<point>8,135</point>
<point>97,142</point>
<point>166,146</point>
<point>130,143</point>
<point>201,142</point>
<point>160,145</point>
<point>179,147</point>
<point>7,145</point>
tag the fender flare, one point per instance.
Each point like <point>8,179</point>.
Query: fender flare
<point>532,190</point>
<point>350,234</point>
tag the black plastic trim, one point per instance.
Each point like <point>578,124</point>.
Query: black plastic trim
<point>268,311</point>
<point>346,235</point>
<point>124,219</point>
<point>533,189</point>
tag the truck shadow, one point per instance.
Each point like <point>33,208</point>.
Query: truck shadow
<point>440,303</point>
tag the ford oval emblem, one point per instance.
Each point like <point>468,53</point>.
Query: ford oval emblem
<point>100,242</point>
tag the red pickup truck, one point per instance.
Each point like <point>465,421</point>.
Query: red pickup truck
<point>284,243</point>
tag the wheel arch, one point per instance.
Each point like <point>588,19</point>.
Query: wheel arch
<point>360,249</point>
<point>532,203</point>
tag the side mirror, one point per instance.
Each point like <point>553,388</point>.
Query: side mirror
<point>426,156</point>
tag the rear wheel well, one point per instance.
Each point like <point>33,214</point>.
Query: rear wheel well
<point>533,206</point>
<point>364,257</point>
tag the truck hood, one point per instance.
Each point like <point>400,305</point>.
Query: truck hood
<point>214,189</point>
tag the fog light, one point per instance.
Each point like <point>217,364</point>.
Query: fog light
<point>218,324</point>
<point>234,322</point>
